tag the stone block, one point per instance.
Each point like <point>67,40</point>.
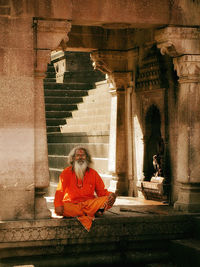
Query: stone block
<point>19,62</point>
<point>17,202</point>
<point>17,94</point>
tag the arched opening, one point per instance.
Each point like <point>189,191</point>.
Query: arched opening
<point>153,140</point>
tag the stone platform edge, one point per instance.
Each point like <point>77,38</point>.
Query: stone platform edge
<point>53,236</point>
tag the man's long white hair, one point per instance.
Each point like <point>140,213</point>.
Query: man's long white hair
<point>79,168</point>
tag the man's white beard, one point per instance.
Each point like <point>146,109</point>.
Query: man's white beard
<point>80,169</point>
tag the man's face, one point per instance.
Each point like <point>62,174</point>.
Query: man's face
<point>80,156</point>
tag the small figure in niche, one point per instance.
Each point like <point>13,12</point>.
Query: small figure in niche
<point>157,165</point>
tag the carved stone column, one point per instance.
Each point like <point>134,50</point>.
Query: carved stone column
<point>188,70</point>
<point>118,152</point>
<point>119,78</point>
<point>48,35</point>
<point>184,45</point>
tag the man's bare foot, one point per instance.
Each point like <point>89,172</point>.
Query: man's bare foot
<point>99,213</point>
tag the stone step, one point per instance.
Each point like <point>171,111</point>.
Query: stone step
<point>50,68</point>
<point>85,128</point>
<point>93,105</point>
<point>79,61</point>
<point>101,102</point>
<point>53,129</point>
<point>101,87</point>
<point>88,120</point>
<point>96,149</point>
<point>70,93</point>
<point>55,122</point>
<point>60,107</point>
<point>92,113</point>
<point>83,76</point>
<point>49,80</point>
<point>185,252</point>
<point>50,74</point>
<point>98,98</point>
<point>62,100</point>
<point>99,92</point>
<point>58,114</point>
<point>95,137</point>
<point>61,162</point>
<point>68,86</point>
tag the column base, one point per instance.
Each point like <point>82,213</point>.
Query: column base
<point>194,208</point>
<point>118,184</point>
<point>188,198</point>
<point>131,187</point>
<point>41,210</point>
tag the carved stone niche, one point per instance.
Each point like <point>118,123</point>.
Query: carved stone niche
<point>151,84</point>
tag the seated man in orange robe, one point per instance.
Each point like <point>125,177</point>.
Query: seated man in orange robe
<point>75,197</point>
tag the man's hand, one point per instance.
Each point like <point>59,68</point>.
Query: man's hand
<point>111,199</point>
<point>59,210</point>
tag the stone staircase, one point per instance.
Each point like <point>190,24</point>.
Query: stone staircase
<point>61,99</point>
<point>77,113</point>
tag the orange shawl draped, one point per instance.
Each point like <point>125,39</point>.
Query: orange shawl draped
<point>78,197</point>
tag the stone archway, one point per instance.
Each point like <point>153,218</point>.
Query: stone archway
<point>153,140</point>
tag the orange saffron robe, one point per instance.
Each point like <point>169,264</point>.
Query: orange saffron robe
<point>78,197</point>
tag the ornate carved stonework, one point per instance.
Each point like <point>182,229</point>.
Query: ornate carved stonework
<point>58,229</point>
<point>51,34</point>
<point>114,64</point>
<point>100,64</point>
<point>188,68</point>
<point>109,61</point>
<point>150,76</point>
<point>176,41</point>
<point>121,80</point>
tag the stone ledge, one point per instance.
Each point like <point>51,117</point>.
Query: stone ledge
<point>51,236</point>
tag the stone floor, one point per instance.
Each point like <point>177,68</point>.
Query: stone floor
<point>131,206</point>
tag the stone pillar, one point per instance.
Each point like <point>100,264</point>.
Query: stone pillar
<point>188,70</point>
<point>119,78</point>
<point>183,44</point>
<point>129,106</point>
<point>48,36</point>
<point>16,119</point>
<point>117,164</point>
<point>129,140</point>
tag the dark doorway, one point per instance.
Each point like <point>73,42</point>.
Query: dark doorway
<point>153,140</point>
